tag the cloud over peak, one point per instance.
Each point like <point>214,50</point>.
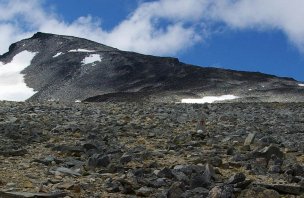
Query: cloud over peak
<point>161,27</point>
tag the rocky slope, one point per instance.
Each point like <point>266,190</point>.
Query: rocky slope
<point>151,150</point>
<point>67,68</point>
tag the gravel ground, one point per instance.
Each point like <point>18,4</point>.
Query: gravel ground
<point>151,150</point>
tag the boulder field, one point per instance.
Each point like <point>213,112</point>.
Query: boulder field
<point>125,149</point>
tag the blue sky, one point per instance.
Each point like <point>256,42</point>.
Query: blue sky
<point>265,36</point>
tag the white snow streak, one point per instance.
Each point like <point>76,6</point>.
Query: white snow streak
<point>12,85</point>
<point>210,99</point>
<point>91,59</point>
<point>301,85</point>
<point>58,54</point>
<point>81,50</point>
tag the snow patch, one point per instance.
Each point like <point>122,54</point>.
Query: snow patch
<point>77,101</point>
<point>301,85</point>
<point>58,54</point>
<point>53,100</point>
<point>91,59</point>
<point>210,99</point>
<point>12,85</point>
<point>81,50</point>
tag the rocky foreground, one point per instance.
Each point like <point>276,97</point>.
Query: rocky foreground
<point>152,150</point>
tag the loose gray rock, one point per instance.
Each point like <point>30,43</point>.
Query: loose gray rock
<point>31,195</point>
<point>176,190</point>
<point>180,176</point>
<point>249,139</point>
<point>112,186</point>
<point>243,184</point>
<point>97,160</point>
<point>166,173</point>
<point>267,153</point>
<point>236,178</point>
<point>221,192</point>
<point>275,169</point>
<point>126,158</point>
<point>203,180</point>
<point>66,171</point>
<point>196,193</point>
<point>216,161</point>
<point>285,188</point>
<point>259,192</point>
<point>200,181</point>
<point>144,191</point>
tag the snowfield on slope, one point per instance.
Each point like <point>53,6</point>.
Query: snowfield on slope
<point>91,59</point>
<point>81,50</point>
<point>12,85</point>
<point>210,99</point>
<point>58,54</point>
<point>301,85</point>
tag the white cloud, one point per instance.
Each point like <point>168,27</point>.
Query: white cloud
<point>283,15</point>
<point>139,32</point>
<point>160,27</point>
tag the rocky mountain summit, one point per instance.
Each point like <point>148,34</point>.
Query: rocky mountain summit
<point>127,149</point>
<point>67,68</point>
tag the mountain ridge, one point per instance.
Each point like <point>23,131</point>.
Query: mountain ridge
<point>58,72</point>
<point>40,35</point>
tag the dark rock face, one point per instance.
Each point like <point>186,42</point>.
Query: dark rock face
<point>57,73</point>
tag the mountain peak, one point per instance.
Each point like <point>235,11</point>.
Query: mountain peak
<point>65,39</point>
<point>39,35</point>
<point>69,68</point>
